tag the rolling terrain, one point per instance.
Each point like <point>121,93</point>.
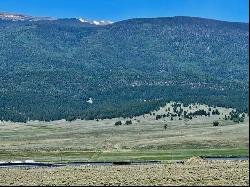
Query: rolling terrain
<point>145,139</point>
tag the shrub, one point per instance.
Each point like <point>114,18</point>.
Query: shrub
<point>129,122</point>
<point>241,119</point>
<point>118,123</point>
<point>158,117</point>
<point>215,123</point>
<point>215,112</point>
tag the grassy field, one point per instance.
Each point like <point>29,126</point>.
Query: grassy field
<point>145,139</point>
<point>192,172</point>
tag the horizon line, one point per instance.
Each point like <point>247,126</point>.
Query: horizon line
<point>53,17</point>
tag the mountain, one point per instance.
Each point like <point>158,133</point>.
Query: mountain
<point>51,69</point>
<point>21,17</point>
<point>95,22</point>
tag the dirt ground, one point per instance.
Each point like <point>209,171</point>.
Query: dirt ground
<point>193,172</point>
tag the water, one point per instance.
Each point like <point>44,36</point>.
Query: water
<point>37,164</point>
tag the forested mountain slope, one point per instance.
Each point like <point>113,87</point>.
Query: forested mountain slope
<point>50,68</point>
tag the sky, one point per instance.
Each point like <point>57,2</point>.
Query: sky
<point>115,10</point>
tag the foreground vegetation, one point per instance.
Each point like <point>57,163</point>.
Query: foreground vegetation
<point>192,172</point>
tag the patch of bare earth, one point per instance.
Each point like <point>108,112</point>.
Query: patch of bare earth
<point>194,171</point>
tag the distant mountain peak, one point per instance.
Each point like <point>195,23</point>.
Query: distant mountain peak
<point>21,17</point>
<point>83,20</point>
<point>95,22</point>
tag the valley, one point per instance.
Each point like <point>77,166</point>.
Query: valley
<point>145,139</point>
<point>141,101</point>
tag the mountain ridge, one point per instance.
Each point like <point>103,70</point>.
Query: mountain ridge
<point>60,64</point>
<point>23,17</point>
<point>11,15</point>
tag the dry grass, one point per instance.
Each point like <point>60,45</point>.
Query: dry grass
<point>74,140</point>
<point>192,172</point>
<point>83,140</point>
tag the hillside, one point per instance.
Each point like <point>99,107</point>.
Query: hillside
<point>51,68</point>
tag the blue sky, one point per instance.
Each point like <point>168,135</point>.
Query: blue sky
<point>114,10</point>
